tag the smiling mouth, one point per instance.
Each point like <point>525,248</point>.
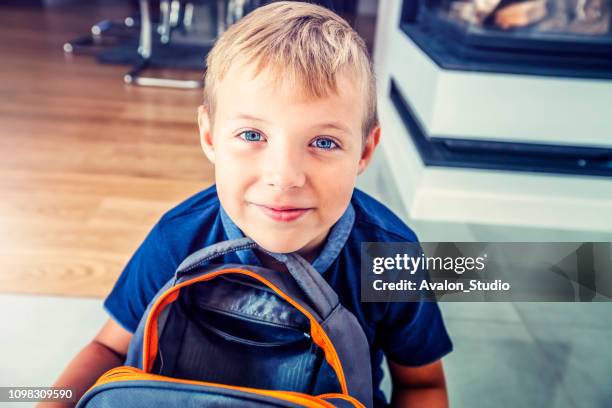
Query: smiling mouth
<point>283,213</point>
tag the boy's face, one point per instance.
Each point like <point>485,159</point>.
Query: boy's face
<point>285,166</point>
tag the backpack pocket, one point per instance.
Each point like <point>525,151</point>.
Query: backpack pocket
<point>235,332</point>
<point>131,387</point>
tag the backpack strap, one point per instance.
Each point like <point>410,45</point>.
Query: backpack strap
<point>318,291</point>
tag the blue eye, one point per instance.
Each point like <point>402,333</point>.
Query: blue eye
<point>324,143</point>
<point>251,136</point>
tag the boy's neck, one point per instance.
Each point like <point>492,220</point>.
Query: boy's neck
<point>309,254</point>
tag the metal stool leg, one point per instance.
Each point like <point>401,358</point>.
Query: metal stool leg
<point>145,44</point>
<point>145,49</point>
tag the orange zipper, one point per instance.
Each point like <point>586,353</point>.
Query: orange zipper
<point>348,398</point>
<point>127,373</point>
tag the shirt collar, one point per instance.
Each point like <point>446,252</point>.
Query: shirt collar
<point>333,244</point>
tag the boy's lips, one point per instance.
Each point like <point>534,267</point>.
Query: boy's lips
<point>284,213</point>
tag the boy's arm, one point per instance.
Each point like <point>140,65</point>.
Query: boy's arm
<point>105,351</point>
<point>422,386</point>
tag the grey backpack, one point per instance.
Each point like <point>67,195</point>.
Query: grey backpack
<point>232,335</point>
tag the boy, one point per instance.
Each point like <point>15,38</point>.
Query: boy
<point>289,120</point>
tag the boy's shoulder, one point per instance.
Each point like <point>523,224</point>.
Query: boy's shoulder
<point>192,224</point>
<point>378,221</point>
<point>205,201</point>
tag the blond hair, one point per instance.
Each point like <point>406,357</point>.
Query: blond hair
<point>306,44</point>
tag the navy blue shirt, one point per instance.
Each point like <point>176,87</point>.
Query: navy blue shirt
<point>408,333</point>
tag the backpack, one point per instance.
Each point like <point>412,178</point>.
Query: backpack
<point>232,335</point>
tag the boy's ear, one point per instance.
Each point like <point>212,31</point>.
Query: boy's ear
<point>205,133</point>
<point>367,153</point>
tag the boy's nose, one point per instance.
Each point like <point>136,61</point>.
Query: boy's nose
<point>283,169</point>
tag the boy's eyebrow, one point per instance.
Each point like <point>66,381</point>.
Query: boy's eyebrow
<point>332,125</point>
<point>249,117</point>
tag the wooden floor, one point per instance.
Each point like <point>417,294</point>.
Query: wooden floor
<point>87,164</point>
